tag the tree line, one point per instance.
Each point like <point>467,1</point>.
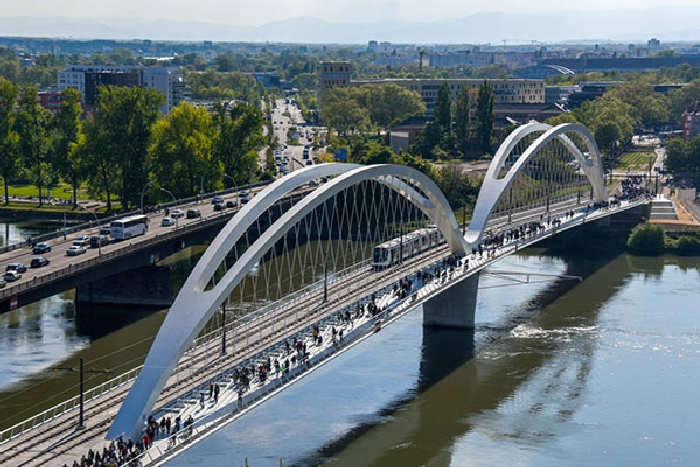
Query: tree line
<point>452,131</point>
<point>126,144</point>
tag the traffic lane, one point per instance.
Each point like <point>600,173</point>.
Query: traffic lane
<point>59,260</point>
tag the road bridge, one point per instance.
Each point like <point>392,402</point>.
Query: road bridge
<point>316,269</point>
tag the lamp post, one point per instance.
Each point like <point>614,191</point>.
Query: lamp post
<point>235,188</point>
<point>81,369</point>
<point>223,328</point>
<point>177,219</point>
<point>143,191</point>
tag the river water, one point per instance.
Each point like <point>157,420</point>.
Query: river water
<point>557,372</point>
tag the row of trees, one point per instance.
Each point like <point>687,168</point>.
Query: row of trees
<point>682,157</point>
<point>126,143</point>
<point>452,131</point>
<point>367,107</point>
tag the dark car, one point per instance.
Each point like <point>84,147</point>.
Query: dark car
<point>104,230</point>
<point>219,207</point>
<point>97,241</point>
<point>39,262</point>
<point>230,204</point>
<point>19,267</point>
<point>41,248</point>
<point>193,214</point>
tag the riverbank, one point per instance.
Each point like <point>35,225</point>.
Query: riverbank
<point>16,211</point>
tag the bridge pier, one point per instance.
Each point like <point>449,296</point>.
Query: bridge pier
<point>454,307</point>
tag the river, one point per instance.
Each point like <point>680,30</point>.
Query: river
<point>557,371</point>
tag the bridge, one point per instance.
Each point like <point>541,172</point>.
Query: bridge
<point>276,277</point>
<point>125,265</point>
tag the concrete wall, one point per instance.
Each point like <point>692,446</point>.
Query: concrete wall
<point>146,286</point>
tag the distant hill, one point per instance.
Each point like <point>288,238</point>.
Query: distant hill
<point>668,23</point>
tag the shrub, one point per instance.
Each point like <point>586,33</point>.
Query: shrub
<point>688,246</point>
<point>647,239</point>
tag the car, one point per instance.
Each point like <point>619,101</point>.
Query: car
<point>82,238</point>
<point>83,241</point>
<point>217,199</point>
<point>176,213</point>
<point>41,248</point>
<point>39,262</point>
<point>98,241</point>
<point>104,230</point>
<point>167,222</point>
<point>76,250</point>
<point>12,276</point>
<point>193,214</point>
<point>243,196</point>
<point>219,207</point>
<point>230,204</point>
<point>2,283</point>
<point>19,267</point>
<point>309,162</point>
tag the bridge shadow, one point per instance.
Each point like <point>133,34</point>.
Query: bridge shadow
<point>461,378</point>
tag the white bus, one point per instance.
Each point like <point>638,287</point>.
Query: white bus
<point>128,227</point>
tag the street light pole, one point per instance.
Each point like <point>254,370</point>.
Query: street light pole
<point>81,369</point>
<point>143,191</point>
<point>235,188</point>
<point>223,328</point>
<point>177,219</point>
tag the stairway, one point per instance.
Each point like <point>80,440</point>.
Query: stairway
<point>663,209</point>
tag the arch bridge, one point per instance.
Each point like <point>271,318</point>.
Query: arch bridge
<point>317,254</point>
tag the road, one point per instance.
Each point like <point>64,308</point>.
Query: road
<point>57,256</point>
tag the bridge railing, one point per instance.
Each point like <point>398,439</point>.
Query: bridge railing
<point>106,220</point>
<point>66,406</point>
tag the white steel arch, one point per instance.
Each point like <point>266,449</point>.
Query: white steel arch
<point>493,188</point>
<point>194,305</point>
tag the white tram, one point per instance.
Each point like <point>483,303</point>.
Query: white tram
<point>388,253</point>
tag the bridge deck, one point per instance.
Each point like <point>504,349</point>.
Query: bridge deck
<point>55,441</point>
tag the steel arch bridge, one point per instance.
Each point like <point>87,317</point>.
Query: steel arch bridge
<point>536,162</point>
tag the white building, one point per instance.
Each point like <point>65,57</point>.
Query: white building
<point>168,81</point>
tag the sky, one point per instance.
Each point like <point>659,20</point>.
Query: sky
<point>258,12</point>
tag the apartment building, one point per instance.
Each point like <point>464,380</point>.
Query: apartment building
<point>506,91</point>
<point>88,78</point>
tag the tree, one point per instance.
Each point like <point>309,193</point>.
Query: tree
<point>426,140</point>
<point>33,122</point>
<point>9,162</point>
<point>463,120</point>
<point>67,132</point>
<point>389,104</point>
<point>182,150</point>
<point>484,114</point>
<point>341,111</point>
<point>443,109</point>
<point>125,117</point>
<point>100,167</point>
<point>647,239</point>
<point>238,139</point>
<point>607,135</point>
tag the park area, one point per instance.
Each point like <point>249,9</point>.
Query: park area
<point>638,161</point>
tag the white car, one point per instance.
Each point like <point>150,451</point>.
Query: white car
<point>167,222</point>
<point>175,213</point>
<point>12,276</point>
<point>75,250</point>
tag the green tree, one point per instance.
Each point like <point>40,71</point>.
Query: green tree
<point>99,165</point>
<point>67,132</point>
<point>443,109</point>
<point>125,117</point>
<point>181,151</point>
<point>647,239</point>
<point>238,140</point>
<point>341,110</point>
<point>389,104</point>
<point>484,114</point>
<point>677,155</point>
<point>33,122</point>
<point>463,120</point>
<point>9,160</point>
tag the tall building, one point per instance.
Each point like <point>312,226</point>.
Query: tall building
<point>506,91</point>
<point>88,78</point>
<point>334,74</point>
<point>691,121</point>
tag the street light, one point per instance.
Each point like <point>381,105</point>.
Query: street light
<point>235,187</point>
<point>177,219</point>
<point>143,191</point>
<point>82,371</point>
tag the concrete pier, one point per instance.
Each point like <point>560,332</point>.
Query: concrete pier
<point>455,307</point>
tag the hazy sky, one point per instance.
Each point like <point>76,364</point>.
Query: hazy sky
<point>256,12</point>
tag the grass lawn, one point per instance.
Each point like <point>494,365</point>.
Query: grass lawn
<point>62,190</point>
<point>15,206</point>
<point>636,161</point>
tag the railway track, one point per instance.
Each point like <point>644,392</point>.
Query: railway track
<point>342,292</point>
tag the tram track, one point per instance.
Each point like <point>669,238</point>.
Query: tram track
<point>344,290</point>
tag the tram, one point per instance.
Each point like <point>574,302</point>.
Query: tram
<point>398,249</point>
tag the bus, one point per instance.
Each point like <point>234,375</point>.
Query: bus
<point>128,227</point>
